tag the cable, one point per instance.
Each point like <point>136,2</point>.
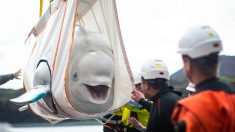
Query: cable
<point>106,121</point>
<point>11,40</point>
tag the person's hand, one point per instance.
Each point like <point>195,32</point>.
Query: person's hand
<point>136,95</point>
<point>136,123</point>
<point>17,74</point>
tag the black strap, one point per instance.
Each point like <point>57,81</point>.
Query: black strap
<point>50,93</point>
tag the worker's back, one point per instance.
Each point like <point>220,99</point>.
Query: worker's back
<point>212,108</point>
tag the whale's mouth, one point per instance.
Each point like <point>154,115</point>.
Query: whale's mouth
<point>98,92</point>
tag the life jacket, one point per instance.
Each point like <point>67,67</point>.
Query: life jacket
<point>207,111</point>
<point>121,116</point>
<point>142,115</point>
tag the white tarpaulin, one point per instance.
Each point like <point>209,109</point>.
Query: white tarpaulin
<point>56,33</point>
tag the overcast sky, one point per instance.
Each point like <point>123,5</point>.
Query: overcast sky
<point>150,29</point>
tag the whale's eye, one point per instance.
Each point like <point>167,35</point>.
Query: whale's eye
<point>75,76</point>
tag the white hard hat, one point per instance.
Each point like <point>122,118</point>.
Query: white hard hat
<point>191,87</point>
<point>153,69</point>
<point>137,78</point>
<point>199,41</point>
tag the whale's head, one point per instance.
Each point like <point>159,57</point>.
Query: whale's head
<point>90,76</point>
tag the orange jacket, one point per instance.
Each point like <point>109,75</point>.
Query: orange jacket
<point>207,111</point>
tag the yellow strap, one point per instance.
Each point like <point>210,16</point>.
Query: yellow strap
<point>126,113</point>
<point>41,6</point>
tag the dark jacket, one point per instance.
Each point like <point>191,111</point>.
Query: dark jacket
<point>161,110</point>
<point>6,78</point>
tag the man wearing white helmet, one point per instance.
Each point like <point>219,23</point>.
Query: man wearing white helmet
<point>137,80</point>
<point>191,89</point>
<point>212,107</point>
<point>154,84</point>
